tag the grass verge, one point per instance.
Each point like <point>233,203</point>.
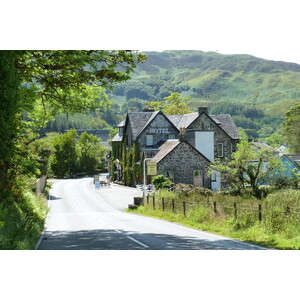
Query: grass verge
<point>276,230</point>
<point>22,220</point>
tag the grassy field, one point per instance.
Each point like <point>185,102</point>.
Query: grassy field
<point>272,222</point>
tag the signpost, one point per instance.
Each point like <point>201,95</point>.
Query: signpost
<point>151,170</point>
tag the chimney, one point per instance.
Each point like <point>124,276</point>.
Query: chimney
<point>202,109</point>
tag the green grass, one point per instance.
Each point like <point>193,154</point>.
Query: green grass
<point>21,220</point>
<point>276,230</point>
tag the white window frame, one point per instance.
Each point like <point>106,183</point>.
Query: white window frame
<point>222,150</point>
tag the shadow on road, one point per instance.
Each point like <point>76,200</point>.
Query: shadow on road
<point>113,240</point>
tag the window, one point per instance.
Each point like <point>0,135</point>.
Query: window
<point>169,174</point>
<point>149,140</point>
<point>171,136</point>
<point>220,150</point>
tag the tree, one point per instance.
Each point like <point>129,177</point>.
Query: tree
<point>248,166</point>
<point>90,152</point>
<point>173,105</point>
<point>43,83</point>
<point>65,158</point>
<point>291,128</point>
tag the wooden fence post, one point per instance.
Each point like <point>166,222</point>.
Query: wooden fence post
<point>235,210</point>
<point>184,208</point>
<point>259,212</point>
<point>215,208</point>
<point>173,205</point>
<point>163,203</point>
<point>153,202</point>
<point>148,199</point>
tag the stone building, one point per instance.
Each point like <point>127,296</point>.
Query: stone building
<point>182,145</point>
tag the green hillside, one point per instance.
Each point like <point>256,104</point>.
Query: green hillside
<point>211,77</point>
<point>256,92</point>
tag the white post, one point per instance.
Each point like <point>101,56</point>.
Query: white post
<point>144,185</point>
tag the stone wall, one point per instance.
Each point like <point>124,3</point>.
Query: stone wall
<point>183,160</point>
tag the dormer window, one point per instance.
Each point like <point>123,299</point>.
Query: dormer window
<point>121,131</point>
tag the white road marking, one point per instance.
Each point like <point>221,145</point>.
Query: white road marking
<point>136,241</point>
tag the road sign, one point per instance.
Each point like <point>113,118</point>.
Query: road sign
<point>151,168</point>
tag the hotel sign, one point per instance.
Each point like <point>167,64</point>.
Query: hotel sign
<point>159,130</point>
<point>151,168</point>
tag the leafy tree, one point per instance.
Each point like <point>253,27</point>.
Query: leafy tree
<point>291,128</point>
<point>173,105</point>
<point>90,152</point>
<point>43,83</point>
<point>248,166</point>
<point>276,139</point>
<point>65,158</point>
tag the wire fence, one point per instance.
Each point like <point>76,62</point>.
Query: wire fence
<point>255,209</point>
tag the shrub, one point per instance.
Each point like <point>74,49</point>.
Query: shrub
<point>162,182</point>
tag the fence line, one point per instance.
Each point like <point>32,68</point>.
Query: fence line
<point>235,208</point>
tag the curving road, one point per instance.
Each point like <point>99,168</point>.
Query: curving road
<point>83,218</point>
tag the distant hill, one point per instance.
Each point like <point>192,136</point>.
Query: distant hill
<point>209,77</point>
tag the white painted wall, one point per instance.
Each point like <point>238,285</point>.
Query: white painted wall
<point>204,143</point>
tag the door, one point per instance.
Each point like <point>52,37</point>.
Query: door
<point>198,178</point>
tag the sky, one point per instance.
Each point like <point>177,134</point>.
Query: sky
<point>263,28</point>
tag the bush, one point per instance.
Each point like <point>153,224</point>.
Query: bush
<point>162,182</point>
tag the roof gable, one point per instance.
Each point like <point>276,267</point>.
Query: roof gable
<point>153,118</point>
<point>170,146</point>
<point>139,120</point>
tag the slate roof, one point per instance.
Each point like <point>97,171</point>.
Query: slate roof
<point>165,149</point>
<point>139,121</point>
<point>117,138</point>
<point>183,121</point>
<point>227,124</point>
<point>225,121</point>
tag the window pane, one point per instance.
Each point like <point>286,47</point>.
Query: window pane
<point>149,140</point>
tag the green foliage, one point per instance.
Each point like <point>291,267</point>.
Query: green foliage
<point>161,182</point>
<point>174,104</point>
<point>248,166</point>
<point>90,153</point>
<point>291,129</point>
<point>65,159</point>
<point>21,221</point>
<point>73,154</point>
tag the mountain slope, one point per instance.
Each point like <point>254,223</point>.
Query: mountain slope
<point>211,77</point>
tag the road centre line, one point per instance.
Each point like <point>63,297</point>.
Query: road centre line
<point>136,241</point>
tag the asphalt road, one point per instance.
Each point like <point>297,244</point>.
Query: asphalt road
<point>83,218</point>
